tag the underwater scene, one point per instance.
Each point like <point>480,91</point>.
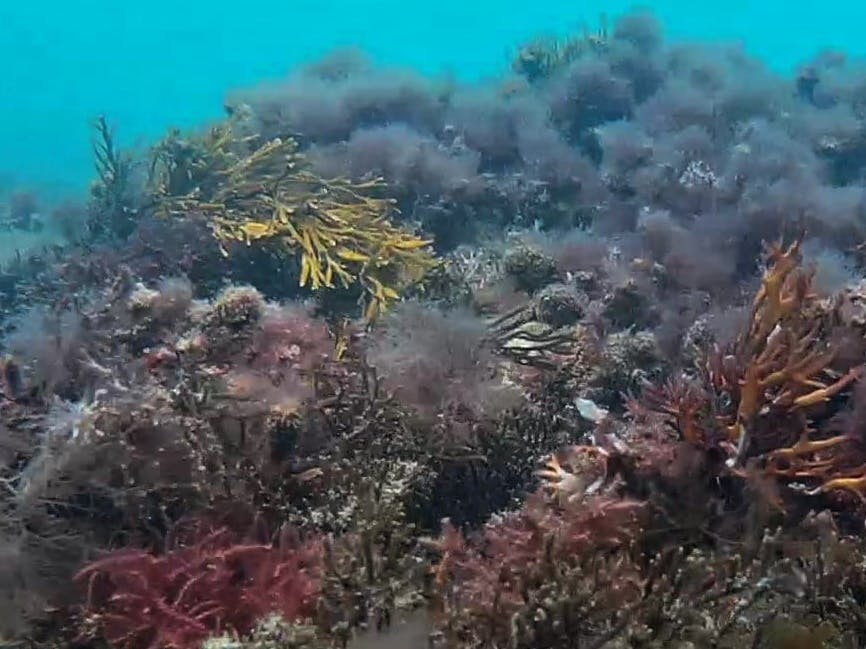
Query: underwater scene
<point>562,350</point>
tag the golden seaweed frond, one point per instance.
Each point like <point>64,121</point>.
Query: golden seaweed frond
<point>181,166</point>
<point>339,228</point>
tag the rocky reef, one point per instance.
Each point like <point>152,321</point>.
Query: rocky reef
<point>570,360</point>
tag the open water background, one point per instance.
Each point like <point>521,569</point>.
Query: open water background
<point>151,64</point>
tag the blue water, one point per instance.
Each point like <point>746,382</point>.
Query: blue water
<point>150,64</point>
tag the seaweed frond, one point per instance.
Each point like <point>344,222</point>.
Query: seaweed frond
<point>785,352</point>
<point>181,165</point>
<point>542,57</point>
<point>112,212</point>
<point>340,228</point>
<point>766,399</point>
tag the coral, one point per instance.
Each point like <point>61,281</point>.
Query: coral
<point>213,583</point>
<point>268,194</point>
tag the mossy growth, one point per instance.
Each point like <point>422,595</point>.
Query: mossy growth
<point>265,193</point>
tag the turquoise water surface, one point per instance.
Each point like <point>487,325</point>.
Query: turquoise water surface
<point>152,64</point>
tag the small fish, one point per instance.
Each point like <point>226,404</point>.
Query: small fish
<point>309,475</point>
<point>590,410</point>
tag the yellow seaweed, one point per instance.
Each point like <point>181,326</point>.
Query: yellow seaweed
<point>340,229</point>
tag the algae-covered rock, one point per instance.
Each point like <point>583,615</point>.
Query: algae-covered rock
<point>559,305</point>
<point>530,269</point>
